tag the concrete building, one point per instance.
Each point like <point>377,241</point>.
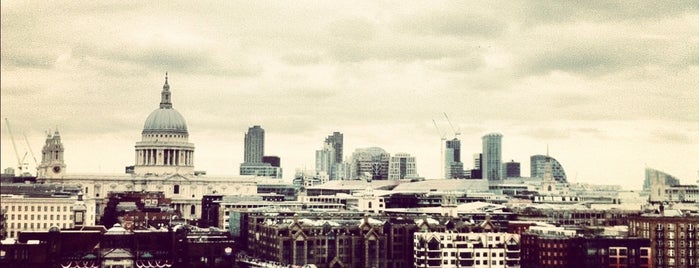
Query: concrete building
<point>538,166</point>
<point>673,235</point>
<point>492,157</point>
<point>402,166</point>
<point>41,211</point>
<point>549,247</point>
<point>370,163</point>
<point>455,249</point>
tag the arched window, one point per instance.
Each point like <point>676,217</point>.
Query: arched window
<point>193,210</point>
<point>549,188</point>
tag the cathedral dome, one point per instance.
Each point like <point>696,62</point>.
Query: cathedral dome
<point>165,120</point>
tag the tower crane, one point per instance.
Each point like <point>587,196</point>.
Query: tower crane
<point>457,132</point>
<point>20,161</point>
<point>443,137</point>
<point>36,163</point>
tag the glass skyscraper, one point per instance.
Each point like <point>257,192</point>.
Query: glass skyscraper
<point>492,157</point>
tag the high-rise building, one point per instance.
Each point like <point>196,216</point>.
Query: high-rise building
<point>453,168</point>
<point>254,159</point>
<point>254,145</point>
<point>329,158</point>
<point>512,169</point>
<point>401,166</point>
<point>538,167</point>
<point>336,142</point>
<point>492,157</point>
<point>370,163</point>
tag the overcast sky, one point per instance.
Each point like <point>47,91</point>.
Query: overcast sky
<point>610,87</point>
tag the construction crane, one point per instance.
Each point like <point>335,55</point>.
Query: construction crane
<point>20,161</point>
<point>36,163</point>
<point>456,131</point>
<point>443,137</point>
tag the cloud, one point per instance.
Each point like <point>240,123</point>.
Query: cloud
<point>460,23</point>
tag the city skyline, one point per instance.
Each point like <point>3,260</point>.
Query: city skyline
<point>611,88</point>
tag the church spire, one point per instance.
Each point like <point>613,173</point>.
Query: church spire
<point>165,102</point>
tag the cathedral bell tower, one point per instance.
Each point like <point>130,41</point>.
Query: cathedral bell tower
<point>52,164</point>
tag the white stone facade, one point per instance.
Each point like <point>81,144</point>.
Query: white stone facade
<point>39,214</point>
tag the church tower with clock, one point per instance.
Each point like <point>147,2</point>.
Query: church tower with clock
<point>52,163</point>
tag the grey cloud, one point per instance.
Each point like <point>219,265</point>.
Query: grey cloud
<point>301,58</point>
<point>669,136</point>
<point>586,60</point>
<point>176,59</point>
<point>546,11</point>
<point>454,23</point>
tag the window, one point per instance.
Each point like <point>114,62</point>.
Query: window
<point>176,189</point>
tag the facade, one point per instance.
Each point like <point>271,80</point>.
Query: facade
<point>350,242</point>
<point>370,163</point>
<point>455,249</point>
<point>260,170</point>
<point>254,145</point>
<point>538,167</point>
<point>402,166</point>
<point>548,246</point>
<point>512,169</point>
<point>40,213</point>
<point>164,145</point>
<point>673,238</point>
<point>492,157</point>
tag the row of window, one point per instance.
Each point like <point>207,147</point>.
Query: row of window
<point>46,217</point>
<point>30,225</point>
<point>38,208</point>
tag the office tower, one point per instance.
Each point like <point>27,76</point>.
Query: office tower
<point>492,157</point>
<point>401,166</point>
<point>254,145</point>
<point>255,162</point>
<point>512,169</point>
<point>325,160</point>
<point>335,141</point>
<point>329,158</point>
<point>370,163</point>
<point>538,167</point>
<point>453,168</point>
